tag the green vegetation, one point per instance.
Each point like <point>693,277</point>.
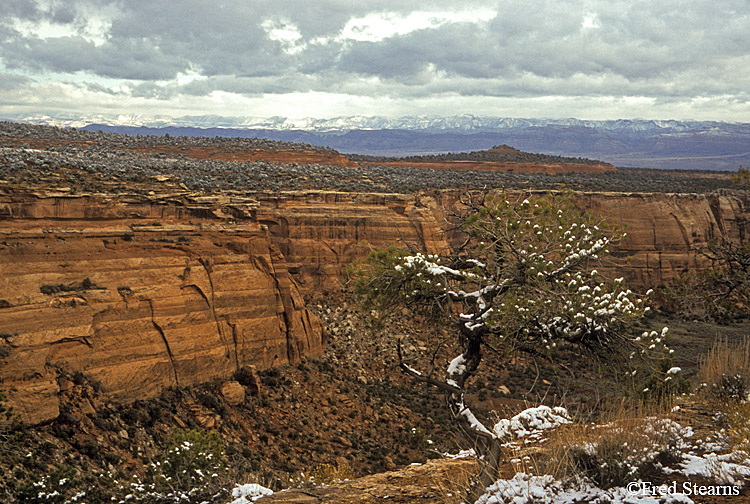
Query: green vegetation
<point>84,285</point>
<point>741,179</point>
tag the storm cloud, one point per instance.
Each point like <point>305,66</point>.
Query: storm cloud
<point>676,59</point>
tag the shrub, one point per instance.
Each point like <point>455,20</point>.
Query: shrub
<point>57,487</point>
<point>83,285</point>
<point>611,455</point>
<point>326,474</point>
<point>664,384</point>
<point>191,457</point>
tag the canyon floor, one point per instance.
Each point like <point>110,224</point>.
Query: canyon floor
<point>347,412</point>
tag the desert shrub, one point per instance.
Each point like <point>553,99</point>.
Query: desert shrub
<point>57,487</point>
<point>6,412</point>
<point>725,370</point>
<point>736,421</point>
<point>79,378</point>
<point>189,470</point>
<point>325,474</point>
<point>244,377</point>
<point>741,179</point>
<point>615,453</point>
<point>211,402</point>
<point>191,456</point>
<point>418,438</point>
<point>719,292</point>
<point>665,383</point>
<point>83,285</point>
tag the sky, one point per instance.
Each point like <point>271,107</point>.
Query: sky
<point>589,59</point>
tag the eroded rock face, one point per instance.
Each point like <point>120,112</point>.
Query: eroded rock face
<point>140,295</point>
<point>666,232</point>
<point>320,233</point>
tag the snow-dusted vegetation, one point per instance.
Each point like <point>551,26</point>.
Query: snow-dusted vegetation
<point>523,279</point>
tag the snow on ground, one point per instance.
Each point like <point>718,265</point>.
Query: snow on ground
<point>461,454</point>
<point>706,472</point>
<point>725,469</point>
<point>527,489</point>
<point>245,494</point>
<point>531,422</point>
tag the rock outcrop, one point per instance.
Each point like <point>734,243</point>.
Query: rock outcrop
<point>438,480</point>
<point>320,233</point>
<point>140,294</point>
<point>666,232</point>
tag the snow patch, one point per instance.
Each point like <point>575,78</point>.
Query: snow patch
<point>244,494</point>
<point>531,422</point>
<point>527,489</point>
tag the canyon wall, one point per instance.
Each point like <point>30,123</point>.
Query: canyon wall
<point>320,234</point>
<point>666,232</point>
<point>139,293</point>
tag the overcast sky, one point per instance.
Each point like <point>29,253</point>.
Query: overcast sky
<point>590,59</point>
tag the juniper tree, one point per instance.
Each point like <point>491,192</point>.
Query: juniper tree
<point>522,279</point>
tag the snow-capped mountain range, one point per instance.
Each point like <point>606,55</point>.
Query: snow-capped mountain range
<point>624,142</point>
<point>458,123</point>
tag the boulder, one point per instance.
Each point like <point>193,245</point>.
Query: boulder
<point>233,392</point>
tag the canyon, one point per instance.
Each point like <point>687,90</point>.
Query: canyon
<point>144,263</point>
<point>173,288</point>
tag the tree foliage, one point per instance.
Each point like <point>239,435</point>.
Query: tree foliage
<point>522,277</point>
<point>741,179</point>
<point>523,280</point>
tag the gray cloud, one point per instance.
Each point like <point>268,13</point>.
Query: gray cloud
<point>667,50</point>
<point>11,82</point>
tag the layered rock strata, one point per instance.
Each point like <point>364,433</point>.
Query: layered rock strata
<point>321,233</point>
<point>140,295</point>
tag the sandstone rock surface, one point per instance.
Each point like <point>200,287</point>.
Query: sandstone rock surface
<point>432,482</point>
<point>320,233</point>
<point>233,392</point>
<point>140,294</point>
<point>144,292</point>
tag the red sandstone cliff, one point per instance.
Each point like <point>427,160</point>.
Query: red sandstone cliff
<point>141,293</point>
<point>320,234</point>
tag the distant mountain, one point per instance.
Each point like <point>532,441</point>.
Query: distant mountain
<point>706,145</point>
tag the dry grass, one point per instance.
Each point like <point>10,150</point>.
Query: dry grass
<point>322,475</point>
<point>630,443</point>
<point>451,487</point>
<point>325,474</point>
<point>736,422</point>
<point>726,370</point>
